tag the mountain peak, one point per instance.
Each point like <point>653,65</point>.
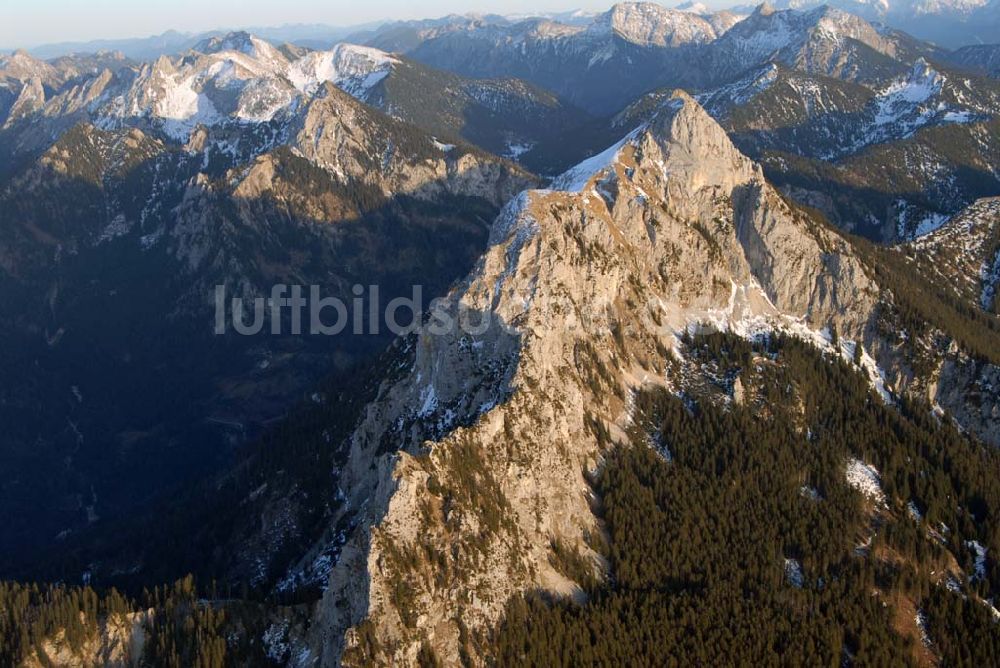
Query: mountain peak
<point>824,40</point>
<point>680,140</point>
<point>764,9</point>
<point>695,147</point>
<point>652,24</point>
<point>671,227</point>
<point>239,41</point>
<point>23,66</point>
<point>20,57</point>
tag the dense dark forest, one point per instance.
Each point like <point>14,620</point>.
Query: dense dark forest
<point>732,538</point>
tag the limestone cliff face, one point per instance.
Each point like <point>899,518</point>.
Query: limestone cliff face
<point>116,642</point>
<point>469,466</point>
<point>354,141</point>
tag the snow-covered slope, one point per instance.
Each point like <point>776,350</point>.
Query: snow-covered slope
<point>245,43</point>
<point>894,8</point>
<point>240,78</point>
<point>355,69</point>
<point>693,7</point>
<point>888,159</point>
<point>248,95</point>
<point>235,79</point>
<point>819,116</point>
<point>636,47</point>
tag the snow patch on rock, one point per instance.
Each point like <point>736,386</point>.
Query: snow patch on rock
<point>576,178</point>
<point>866,479</point>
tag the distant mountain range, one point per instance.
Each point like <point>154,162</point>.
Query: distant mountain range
<point>149,48</point>
<point>950,23</point>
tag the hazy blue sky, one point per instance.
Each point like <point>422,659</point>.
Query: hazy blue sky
<point>33,22</point>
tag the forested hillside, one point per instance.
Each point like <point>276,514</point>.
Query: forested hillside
<point>733,535</point>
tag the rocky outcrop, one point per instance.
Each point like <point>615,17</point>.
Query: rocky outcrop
<point>116,642</point>
<point>466,470</point>
<point>354,141</point>
<point>969,391</point>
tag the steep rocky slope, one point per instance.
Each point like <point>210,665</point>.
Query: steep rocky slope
<point>961,259</point>
<point>405,506</point>
<point>409,510</point>
<point>963,254</point>
<point>821,41</point>
<point>984,58</point>
<point>463,473</point>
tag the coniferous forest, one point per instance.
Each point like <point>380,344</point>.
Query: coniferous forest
<point>731,537</point>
